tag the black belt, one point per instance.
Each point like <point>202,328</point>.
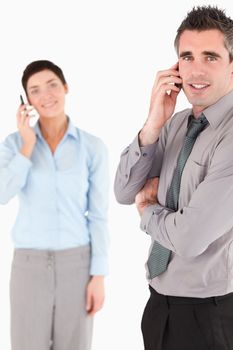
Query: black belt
<point>187,300</point>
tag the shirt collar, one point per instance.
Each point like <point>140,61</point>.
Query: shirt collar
<point>191,117</point>
<point>216,112</point>
<point>71,130</point>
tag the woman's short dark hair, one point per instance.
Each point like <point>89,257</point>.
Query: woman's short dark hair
<point>38,66</point>
<point>205,18</point>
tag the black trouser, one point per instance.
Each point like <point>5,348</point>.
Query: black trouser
<point>177,323</point>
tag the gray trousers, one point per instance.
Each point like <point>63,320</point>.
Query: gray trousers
<point>48,296</point>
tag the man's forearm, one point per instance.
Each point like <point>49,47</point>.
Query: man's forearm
<point>135,165</point>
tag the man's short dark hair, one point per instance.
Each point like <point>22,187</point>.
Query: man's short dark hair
<point>202,18</point>
<point>38,66</point>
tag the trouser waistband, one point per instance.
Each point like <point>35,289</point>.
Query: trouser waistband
<point>37,255</point>
<point>187,300</point>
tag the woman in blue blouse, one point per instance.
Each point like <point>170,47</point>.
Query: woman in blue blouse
<point>60,175</point>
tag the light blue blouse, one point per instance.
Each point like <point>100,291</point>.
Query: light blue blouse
<point>63,197</point>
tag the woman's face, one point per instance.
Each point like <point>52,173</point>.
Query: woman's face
<point>46,93</point>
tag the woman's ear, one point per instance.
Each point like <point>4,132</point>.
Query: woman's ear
<point>66,88</point>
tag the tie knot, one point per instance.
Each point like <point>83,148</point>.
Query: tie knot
<point>196,126</point>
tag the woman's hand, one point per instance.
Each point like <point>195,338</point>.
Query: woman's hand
<point>26,132</point>
<point>95,294</point>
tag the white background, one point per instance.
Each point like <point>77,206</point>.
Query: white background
<point>109,52</point>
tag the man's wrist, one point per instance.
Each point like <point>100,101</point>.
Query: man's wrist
<point>141,208</point>
<point>148,136</point>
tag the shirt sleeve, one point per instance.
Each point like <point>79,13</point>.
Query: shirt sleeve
<point>134,169</point>
<point>98,209</point>
<point>14,169</point>
<point>208,215</point>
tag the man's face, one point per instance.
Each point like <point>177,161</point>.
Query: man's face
<point>204,67</point>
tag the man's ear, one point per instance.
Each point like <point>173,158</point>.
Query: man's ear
<point>231,63</point>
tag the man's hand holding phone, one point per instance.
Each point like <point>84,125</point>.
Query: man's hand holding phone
<point>162,105</point>
<point>25,130</point>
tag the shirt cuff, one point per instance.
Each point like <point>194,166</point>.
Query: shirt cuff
<point>20,164</point>
<point>149,211</point>
<point>145,151</point>
<point>134,154</point>
<point>99,266</point>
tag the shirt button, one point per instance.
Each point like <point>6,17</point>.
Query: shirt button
<point>126,175</point>
<point>144,154</point>
<point>137,153</point>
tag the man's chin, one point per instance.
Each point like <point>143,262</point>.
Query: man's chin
<point>199,102</point>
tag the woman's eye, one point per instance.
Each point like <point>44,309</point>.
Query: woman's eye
<point>34,92</point>
<point>53,85</point>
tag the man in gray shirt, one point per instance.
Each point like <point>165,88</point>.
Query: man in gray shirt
<point>179,172</point>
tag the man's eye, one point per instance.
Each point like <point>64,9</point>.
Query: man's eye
<point>187,58</point>
<point>211,58</point>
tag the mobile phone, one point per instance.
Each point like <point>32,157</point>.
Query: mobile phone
<point>31,112</point>
<point>21,100</point>
<point>176,84</point>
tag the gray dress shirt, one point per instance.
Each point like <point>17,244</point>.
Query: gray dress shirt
<point>200,233</point>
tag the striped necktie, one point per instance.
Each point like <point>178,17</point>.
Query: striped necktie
<point>159,256</point>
